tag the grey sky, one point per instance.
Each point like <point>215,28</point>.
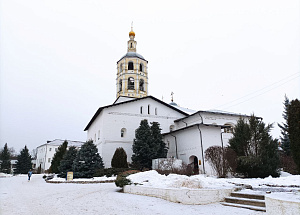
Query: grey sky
<point>58,59</point>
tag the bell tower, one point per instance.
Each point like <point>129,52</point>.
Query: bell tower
<point>132,72</point>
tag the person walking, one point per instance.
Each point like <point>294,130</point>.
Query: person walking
<point>29,174</point>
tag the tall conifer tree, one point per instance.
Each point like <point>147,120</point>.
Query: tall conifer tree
<point>66,164</point>
<point>143,152</point>
<point>284,138</point>
<point>257,151</point>
<point>294,130</point>
<point>5,160</point>
<point>58,156</point>
<point>87,161</point>
<point>158,143</point>
<point>24,163</point>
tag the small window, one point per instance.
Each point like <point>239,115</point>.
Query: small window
<point>142,85</point>
<point>172,128</point>
<point>131,83</point>
<point>148,109</point>
<point>228,129</point>
<point>141,110</point>
<point>130,45</point>
<point>50,149</point>
<point>49,160</point>
<point>155,111</point>
<point>141,67</point>
<point>130,66</point>
<point>98,134</point>
<point>123,132</point>
<point>121,67</point>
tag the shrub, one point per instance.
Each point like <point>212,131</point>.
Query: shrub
<point>169,168</point>
<point>121,180</point>
<point>109,172</point>
<point>119,159</point>
<point>222,160</point>
<point>288,164</point>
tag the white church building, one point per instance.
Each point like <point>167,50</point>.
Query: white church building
<point>187,133</point>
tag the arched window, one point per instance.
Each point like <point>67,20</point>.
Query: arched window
<point>142,85</point>
<point>130,65</point>
<point>131,83</point>
<point>141,110</point>
<point>141,67</point>
<point>130,45</point>
<point>120,85</point>
<point>148,109</point>
<point>123,132</point>
<point>155,111</point>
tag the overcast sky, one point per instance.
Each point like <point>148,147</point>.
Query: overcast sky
<point>58,59</point>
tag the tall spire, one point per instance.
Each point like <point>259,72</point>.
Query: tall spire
<point>131,43</point>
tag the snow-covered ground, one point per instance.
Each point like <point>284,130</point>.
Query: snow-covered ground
<point>18,196</point>
<point>151,178</point>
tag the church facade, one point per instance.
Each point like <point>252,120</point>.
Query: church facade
<point>187,133</point>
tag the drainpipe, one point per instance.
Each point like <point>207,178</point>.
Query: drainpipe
<point>175,145</point>
<point>223,151</point>
<point>201,118</point>
<point>185,123</point>
<point>201,147</point>
<point>45,158</point>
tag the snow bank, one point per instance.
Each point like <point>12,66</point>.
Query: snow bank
<point>153,179</point>
<point>87,180</point>
<point>4,175</point>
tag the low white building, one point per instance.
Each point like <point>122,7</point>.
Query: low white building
<point>46,152</point>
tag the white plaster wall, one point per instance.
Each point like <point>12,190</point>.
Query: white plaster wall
<point>208,118</point>
<point>184,196</point>
<point>111,120</point>
<point>44,154</point>
<point>189,144</point>
<point>282,206</point>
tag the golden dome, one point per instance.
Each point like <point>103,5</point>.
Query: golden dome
<point>131,33</point>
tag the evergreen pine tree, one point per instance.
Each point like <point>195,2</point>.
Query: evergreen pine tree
<point>143,152</point>
<point>23,164</point>
<point>5,160</point>
<point>158,143</point>
<point>257,151</point>
<point>87,161</point>
<point>284,138</point>
<point>119,159</point>
<point>294,130</point>
<point>66,164</point>
<point>58,157</point>
<point>241,134</point>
